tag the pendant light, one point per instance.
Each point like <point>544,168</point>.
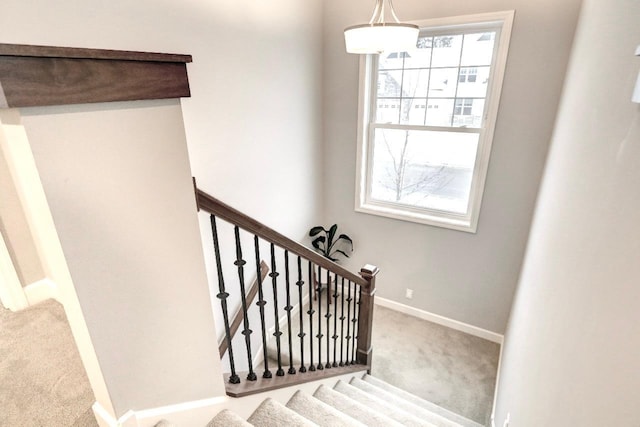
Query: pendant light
<point>379,36</point>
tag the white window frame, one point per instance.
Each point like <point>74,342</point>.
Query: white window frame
<point>468,222</point>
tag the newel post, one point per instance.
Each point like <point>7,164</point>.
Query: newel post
<point>365,318</point>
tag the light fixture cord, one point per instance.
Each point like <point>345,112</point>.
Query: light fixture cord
<point>379,12</point>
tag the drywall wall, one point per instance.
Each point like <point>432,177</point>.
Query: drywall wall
<point>15,230</point>
<point>572,353</point>
<point>253,123</point>
<point>118,183</point>
<point>466,277</point>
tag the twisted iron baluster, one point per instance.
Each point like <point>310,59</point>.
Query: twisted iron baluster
<point>274,283</point>
<point>288,309</point>
<point>328,317</point>
<point>310,312</point>
<point>246,331</point>
<point>223,295</point>
<point>301,335</point>
<point>319,336</point>
<point>335,320</point>
<point>342,324</point>
<point>261,303</point>
<point>348,337</point>
<point>355,324</point>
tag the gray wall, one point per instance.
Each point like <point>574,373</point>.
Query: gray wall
<point>467,277</point>
<point>15,230</point>
<point>572,353</point>
<point>118,183</point>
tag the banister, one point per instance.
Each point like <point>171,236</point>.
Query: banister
<point>221,210</point>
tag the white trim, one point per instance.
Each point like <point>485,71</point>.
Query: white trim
<point>503,22</point>
<point>105,419</point>
<point>440,320</point>
<point>41,290</point>
<point>12,295</point>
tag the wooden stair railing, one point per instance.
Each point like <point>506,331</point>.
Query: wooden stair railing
<point>237,318</point>
<point>353,293</point>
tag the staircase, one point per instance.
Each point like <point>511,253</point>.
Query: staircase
<point>365,401</point>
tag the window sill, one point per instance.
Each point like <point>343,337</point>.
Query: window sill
<point>459,224</point>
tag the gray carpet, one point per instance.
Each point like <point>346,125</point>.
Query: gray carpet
<point>42,379</point>
<point>449,368</point>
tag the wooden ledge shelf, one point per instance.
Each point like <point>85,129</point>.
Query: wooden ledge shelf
<point>33,76</point>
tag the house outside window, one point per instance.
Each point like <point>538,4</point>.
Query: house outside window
<point>426,122</point>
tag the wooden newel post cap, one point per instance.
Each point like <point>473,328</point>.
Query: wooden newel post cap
<point>369,271</point>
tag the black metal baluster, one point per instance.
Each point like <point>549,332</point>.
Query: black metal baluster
<point>288,309</point>
<point>342,323</point>
<point>319,336</point>
<point>310,312</point>
<point>222,296</point>
<point>335,320</point>
<point>355,324</point>
<point>328,317</point>
<point>301,335</point>
<point>274,283</point>
<point>246,331</point>
<point>261,303</point>
<point>347,362</point>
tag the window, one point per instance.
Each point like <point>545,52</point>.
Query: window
<point>426,122</point>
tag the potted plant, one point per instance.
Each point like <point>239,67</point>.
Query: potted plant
<point>326,243</point>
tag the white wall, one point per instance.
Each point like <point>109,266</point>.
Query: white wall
<point>467,277</point>
<point>572,355</point>
<point>253,123</point>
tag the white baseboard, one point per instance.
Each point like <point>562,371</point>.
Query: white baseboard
<point>440,320</point>
<point>199,413</point>
<point>41,290</point>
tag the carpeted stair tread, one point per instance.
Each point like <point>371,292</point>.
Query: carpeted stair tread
<point>353,409</point>
<point>434,418</point>
<point>377,404</point>
<point>425,404</point>
<point>226,418</point>
<point>319,412</point>
<point>273,414</point>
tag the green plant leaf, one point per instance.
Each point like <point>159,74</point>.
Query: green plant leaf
<point>316,243</point>
<point>332,233</point>
<point>345,237</point>
<point>315,230</point>
<point>342,252</point>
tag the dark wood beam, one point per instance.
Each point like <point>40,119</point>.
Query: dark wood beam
<point>41,75</point>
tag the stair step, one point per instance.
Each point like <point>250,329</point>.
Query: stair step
<point>226,418</point>
<point>319,412</point>
<point>433,418</point>
<point>425,404</point>
<point>377,404</point>
<point>273,414</point>
<point>353,409</point>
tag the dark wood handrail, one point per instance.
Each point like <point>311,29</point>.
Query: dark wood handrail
<point>237,318</point>
<point>221,210</point>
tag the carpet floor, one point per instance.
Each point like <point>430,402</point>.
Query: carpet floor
<point>42,381</point>
<point>449,368</point>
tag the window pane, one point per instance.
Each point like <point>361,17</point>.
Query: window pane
<point>478,48</point>
<point>388,111</point>
<point>424,169</point>
<point>389,84</point>
<point>414,83</point>
<point>421,56</point>
<point>468,113</point>
<point>391,61</point>
<point>446,51</point>
<point>412,111</point>
<point>473,82</point>
<point>443,82</point>
<point>439,112</point>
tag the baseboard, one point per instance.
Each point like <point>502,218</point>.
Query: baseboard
<point>440,320</point>
<point>105,419</point>
<point>41,290</point>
